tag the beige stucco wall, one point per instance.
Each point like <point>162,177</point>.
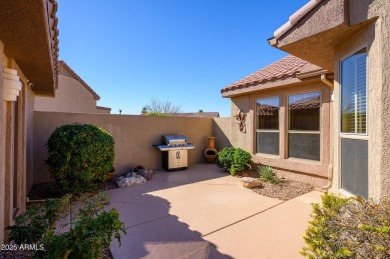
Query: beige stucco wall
<point>71,96</point>
<point>314,172</point>
<point>134,136</point>
<point>102,110</point>
<point>221,132</point>
<point>376,37</point>
<point>29,106</point>
<point>237,138</point>
<point>15,145</point>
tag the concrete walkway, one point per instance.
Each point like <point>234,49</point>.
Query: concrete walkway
<point>203,213</point>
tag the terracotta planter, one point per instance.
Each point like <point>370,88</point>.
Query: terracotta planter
<point>210,153</point>
<point>110,175</point>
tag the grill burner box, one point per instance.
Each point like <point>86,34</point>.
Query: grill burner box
<point>175,152</point>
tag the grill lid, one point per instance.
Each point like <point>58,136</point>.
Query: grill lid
<point>174,139</point>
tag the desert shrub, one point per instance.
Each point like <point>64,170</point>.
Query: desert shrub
<point>267,174</point>
<point>233,159</point>
<point>348,228</point>
<point>79,156</point>
<point>91,228</point>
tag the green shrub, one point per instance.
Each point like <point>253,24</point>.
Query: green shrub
<point>79,156</point>
<point>267,174</point>
<point>30,226</point>
<point>225,157</point>
<point>233,159</point>
<point>91,228</point>
<point>348,228</point>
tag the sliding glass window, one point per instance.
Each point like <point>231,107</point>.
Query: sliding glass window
<point>267,126</point>
<point>304,125</point>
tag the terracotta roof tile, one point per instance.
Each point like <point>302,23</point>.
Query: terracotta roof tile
<point>286,66</point>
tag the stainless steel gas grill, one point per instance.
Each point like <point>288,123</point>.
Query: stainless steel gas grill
<point>175,152</point>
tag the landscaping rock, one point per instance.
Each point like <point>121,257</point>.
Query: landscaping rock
<point>130,180</point>
<point>249,182</point>
<point>146,173</point>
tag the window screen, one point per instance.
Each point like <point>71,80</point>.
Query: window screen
<point>353,93</point>
<point>304,125</point>
<point>354,168</point>
<point>267,126</point>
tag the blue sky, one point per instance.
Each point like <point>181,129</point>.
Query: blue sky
<point>183,51</point>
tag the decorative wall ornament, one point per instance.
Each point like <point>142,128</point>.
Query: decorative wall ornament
<point>240,117</point>
<point>11,84</point>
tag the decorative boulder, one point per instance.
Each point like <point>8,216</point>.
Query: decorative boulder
<point>249,182</point>
<point>146,173</point>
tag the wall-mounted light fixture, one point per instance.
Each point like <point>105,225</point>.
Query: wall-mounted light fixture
<point>11,84</point>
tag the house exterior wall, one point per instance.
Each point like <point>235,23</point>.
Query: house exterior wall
<point>237,138</point>
<point>367,25</point>
<point>327,15</point>
<point>29,110</point>
<point>2,147</point>
<point>376,38</point>
<point>134,137</point>
<point>71,96</point>
<point>314,172</point>
<point>15,143</point>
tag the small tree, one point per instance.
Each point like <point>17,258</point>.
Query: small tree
<point>161,107</point>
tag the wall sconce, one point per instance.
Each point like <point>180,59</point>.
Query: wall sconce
<point>11,84</point>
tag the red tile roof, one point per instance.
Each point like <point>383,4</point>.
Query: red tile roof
<point>287,66</point>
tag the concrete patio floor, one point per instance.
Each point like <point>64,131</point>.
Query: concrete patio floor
<point>203,213</point>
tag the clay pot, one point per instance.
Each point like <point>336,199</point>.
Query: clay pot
<point>210,153</point>
<point>111,174</point>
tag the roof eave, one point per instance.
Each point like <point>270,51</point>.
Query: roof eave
<point>29,33</point>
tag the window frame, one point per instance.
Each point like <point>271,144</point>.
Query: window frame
<point>267,130</point>
<point>288,131</point>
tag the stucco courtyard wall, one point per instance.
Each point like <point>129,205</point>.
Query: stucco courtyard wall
<point>221,132</point>
<point>134,137</point>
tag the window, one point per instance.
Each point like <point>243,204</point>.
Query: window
<point>304,125</point>
<point>267,125</point>
<point>353,94</point>
<point>354,152</point>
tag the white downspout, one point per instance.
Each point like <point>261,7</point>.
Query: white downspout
<point>330,167</point>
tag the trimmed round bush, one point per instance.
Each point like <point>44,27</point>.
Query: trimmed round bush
<point>233,159</point>
<point>79,156</point>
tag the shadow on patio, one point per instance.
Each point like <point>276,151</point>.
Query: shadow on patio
<point>171,216</point>
<point>152,231</point>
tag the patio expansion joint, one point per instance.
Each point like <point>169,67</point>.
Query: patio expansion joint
<point>148,221</point>
<point>141,204</point>
<point>243,219</point>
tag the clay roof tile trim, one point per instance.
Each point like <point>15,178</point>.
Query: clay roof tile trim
<point>287,66</point>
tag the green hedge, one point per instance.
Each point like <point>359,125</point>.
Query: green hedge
<point>79,155</point>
